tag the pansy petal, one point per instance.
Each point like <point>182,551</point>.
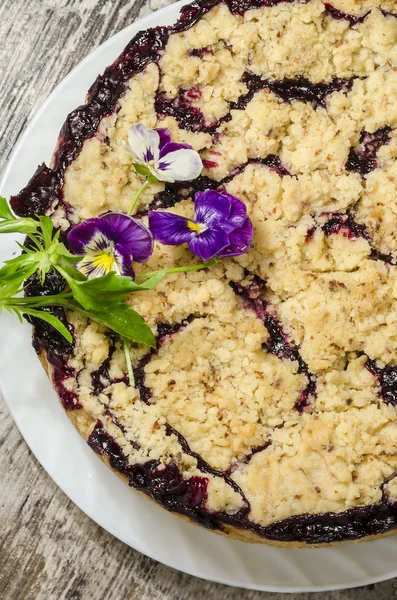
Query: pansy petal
<point>239,240</point>
<point>181,165</point>
<point>173,147</point>
<point>238,212</point>
<point>143,144</point>
<point>171,229</point>
<point>123,257</point>
<point>211,208</point>
<point>165,136</point>
<point>131,233</point>
<point>97,264</point>
<point>208,244</point>
<point>94,233</point>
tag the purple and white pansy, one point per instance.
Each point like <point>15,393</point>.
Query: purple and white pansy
<point>220,226</point>
<point>110,243</point>
<point>155,154</point>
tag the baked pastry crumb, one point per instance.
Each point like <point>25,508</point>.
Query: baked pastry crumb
<point>268,410</point>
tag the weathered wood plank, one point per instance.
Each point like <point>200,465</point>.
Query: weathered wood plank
<point>48,548</point>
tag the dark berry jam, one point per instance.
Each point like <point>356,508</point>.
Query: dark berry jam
<point>386,258</point>
<point>189,117</point>
<point>206,467</point>
<point>45,337</point>
<point>166,329</point>
<point>167,487</point>
<point>200,52</point>
<point>176,192</point>
<point>57,349</point>
<point>49,340</point>
<point>364,160</point>
<point>345,224</point>
<point>292,89</point>
<point>385,13</point>
<point>101,378</point>
<point>328,528</point>
<point>68,398</point>
<point>40,193</point>
<point>271,161</point>
<point>53,284</point>
<point>387,378</point>
<point>342,16</point>
<point>164,484</point>
<point>140,376</point>
<point>239,7</point>
<point>209,164</point>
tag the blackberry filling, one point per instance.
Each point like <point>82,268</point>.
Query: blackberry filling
<point>189,117</point>
<point>345,224</point>
<point>176,192</point>
<point>166,484</point>
<point>364,161</point>
<point>292,89</point>
<point>341,16</point>
<point>387,378</point>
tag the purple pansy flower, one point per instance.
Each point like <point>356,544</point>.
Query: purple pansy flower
<point>153,150</point>
<point>220,226</point>
<point>110,243</point>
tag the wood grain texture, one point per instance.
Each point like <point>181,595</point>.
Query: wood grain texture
<point>48,548</point>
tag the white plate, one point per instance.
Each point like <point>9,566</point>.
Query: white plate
<point>82,475</point>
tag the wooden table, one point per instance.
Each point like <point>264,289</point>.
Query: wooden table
<point>49,549</point>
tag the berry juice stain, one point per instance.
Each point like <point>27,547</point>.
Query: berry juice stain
<point>292,89</point>
<point>342,16</point>
<point>387,379</point>
<point>345,224</point>
<point>364,160</point>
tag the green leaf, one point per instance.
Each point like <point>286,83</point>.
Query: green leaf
<point>66,267</point>
<point>118,285</point>
<point>122,319</point>
<point>15,311</point>
<point>25,226</point>
<point>47,228</point>
<point>64,253</point>
<point>52,320</point>
<point>49,318</point>
<point>102,293</point>
<point>12,285</point>
<point>5,210</point>
<point>36,242</point>
<point>152,282</point>
<point>22,264</point>
<point>9,223</point>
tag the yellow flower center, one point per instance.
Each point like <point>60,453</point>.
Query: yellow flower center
<point>196,227</point>
<point>104,260</point>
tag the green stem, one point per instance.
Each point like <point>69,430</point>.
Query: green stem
<point>198,267</point>
<point>138,195</point>
<point>58,299</point>
<point>128,361</point>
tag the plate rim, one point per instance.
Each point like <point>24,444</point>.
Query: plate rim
<point>171,11</point>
